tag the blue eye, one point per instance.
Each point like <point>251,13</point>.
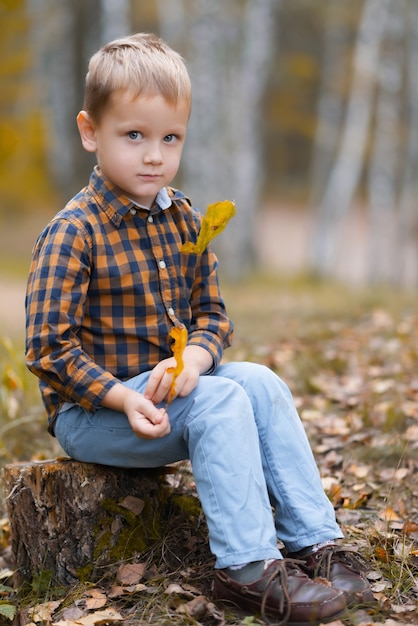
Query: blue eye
<point>134,134</point>
<point>169,138</point>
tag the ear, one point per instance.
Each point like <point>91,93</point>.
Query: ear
<point>87,131</point>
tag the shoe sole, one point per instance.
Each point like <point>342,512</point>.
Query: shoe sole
<point>313,622</point>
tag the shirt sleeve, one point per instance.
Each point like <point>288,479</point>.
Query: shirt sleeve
<point>211,327</point>
<point>56,292</point>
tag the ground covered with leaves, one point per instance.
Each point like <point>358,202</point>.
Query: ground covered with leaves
<point>351,360</point>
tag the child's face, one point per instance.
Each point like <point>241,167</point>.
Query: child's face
<point>138,143</point>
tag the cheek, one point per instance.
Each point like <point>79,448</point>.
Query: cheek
<point>174,161</point>
<point>116,158</point>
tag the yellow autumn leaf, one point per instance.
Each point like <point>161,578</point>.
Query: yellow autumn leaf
<point>214,222</point>
<point>389,515</point>
<point>382,554</point>
<point>11,380</point>
<point>179,335</point>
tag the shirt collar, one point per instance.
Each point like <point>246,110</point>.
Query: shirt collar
<point>114,203</point>
<point>162,200</point>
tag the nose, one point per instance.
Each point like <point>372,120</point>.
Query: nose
<point>153,154</point>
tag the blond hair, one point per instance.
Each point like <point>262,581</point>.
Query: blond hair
<point>141,64</point>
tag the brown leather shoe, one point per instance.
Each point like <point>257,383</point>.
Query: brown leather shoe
<point>283,592</point>
<point>344,569</point>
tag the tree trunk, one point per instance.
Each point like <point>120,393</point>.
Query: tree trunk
<point>345,175</point>
<point>70,520</point>
<point>115,19</point>
<point>407,253</point>
<point>331,102</point>
<point>384,165</point>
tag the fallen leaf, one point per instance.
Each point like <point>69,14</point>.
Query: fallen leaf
<point>131,573</point>
<point>116,591</point>
<point>6,573</point>
<point>43,612</point>
<point>389,515</point>
<point>411,433</point>
<point>135,505</point>
<point>195,608</point>
<point>379,587</point>
<point>96,600</point>
<point>403,608</point>
<point>361,501</point>
<point>138,587</point>
<point>93,619</point>
<point>72,614</point>
<point>382,554</point>
<point>173,588</point>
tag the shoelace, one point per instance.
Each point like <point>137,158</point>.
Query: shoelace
<point>327,555</point>
<point>280,572</point>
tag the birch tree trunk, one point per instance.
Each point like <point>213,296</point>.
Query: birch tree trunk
<point>407,253</point>
<point>331,102</point>
<point>55,67</point>
<point>64,36</point>
<point>114,19</point>
<point>345,175</point>
<point>246,87</point>
<point>384,164</point>
<point>228,49</point>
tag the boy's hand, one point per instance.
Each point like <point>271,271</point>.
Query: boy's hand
<point>159,382</point>
<point>146,420</point>
<point>196,361</point>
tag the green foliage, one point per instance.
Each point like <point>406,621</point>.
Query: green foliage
<point>23,432</point>
<point>23,176</point>
<point>8,610</point>
<point>41,583</point>
<point>12,375</point>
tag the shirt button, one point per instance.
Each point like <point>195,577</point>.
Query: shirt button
<point>170,310</point>
<point>132,211</point>
<point>150,219</point>
<point>162,265</point>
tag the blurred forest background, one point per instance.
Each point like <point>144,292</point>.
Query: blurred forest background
<point>305,113</point>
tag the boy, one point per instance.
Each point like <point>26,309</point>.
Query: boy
<point>108,282</point>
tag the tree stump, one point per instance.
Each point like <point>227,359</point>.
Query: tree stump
<point>71,520</point>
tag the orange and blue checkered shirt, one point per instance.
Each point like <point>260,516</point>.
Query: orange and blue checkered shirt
<point>107,283</point>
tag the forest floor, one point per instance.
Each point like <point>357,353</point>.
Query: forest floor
<point>351,360</point>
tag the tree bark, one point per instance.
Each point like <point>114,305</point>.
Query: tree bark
<point>70,520</point>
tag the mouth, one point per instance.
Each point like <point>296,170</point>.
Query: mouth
<point>149,176</point>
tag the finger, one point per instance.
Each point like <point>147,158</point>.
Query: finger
<point>145,429</point>
<point>158,383</point>
<point>162,391</point>
<point>152,384</point>
<point>160,417</point>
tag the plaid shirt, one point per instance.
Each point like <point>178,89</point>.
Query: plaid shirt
<point>107,283</point>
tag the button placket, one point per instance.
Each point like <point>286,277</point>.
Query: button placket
<point>163,269</point>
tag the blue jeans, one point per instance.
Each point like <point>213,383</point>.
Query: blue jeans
<point>248,451</point>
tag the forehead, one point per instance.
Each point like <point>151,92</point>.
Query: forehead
<point>151,108</point>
